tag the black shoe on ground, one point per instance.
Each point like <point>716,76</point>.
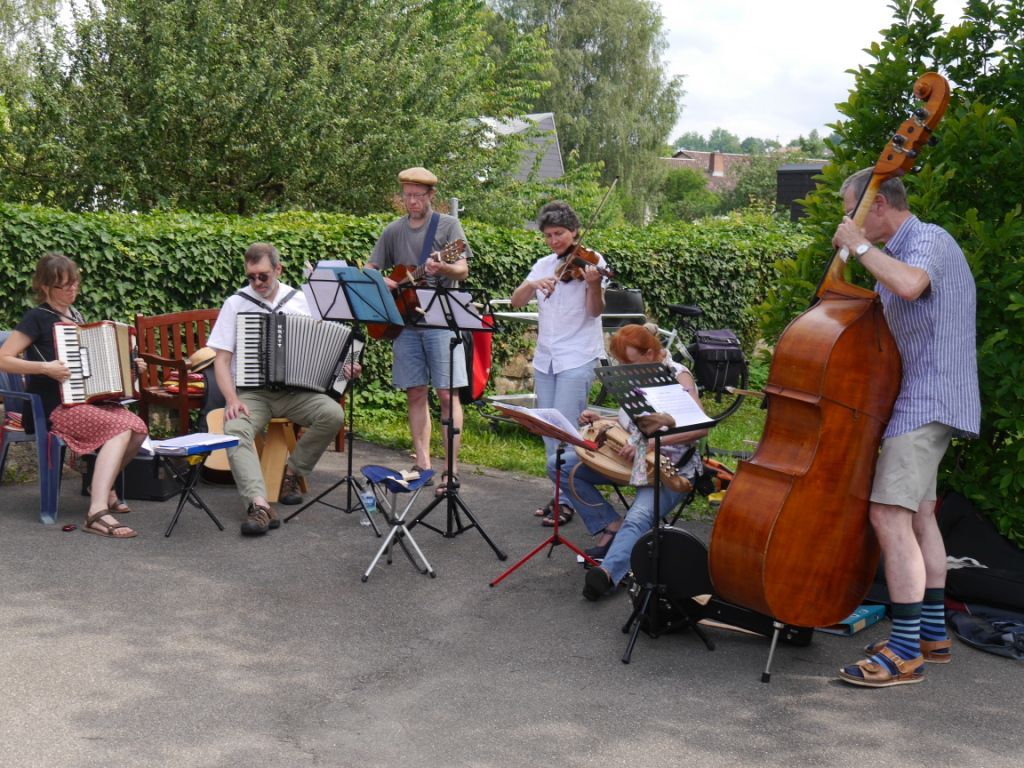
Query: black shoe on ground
<point>258,521</point>
<point>596,584</point>
<point>289,491</point>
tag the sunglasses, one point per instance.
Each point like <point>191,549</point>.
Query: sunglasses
<point>261,277</point>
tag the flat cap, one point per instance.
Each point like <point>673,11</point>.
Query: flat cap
<point>417,175</point>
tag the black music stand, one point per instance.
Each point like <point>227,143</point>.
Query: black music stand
<point>528,419</point>
<point>350,295</point>
<point>454,310</point>
<point>643,389</point>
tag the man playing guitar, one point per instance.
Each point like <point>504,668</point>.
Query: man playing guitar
<point>421,355</point>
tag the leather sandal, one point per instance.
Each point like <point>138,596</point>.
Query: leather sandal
<point>872,675</point>
<point>565,513</point>
<point>933,651</point>
<point>108,529</point>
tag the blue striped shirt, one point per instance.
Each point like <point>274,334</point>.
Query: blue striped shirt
<point>935,334</point>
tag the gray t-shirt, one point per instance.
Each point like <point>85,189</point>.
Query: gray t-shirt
<point>399,243</point>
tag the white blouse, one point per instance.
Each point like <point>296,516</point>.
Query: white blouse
<point>567,337</point>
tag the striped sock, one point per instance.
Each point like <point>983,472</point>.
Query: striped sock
<point>933,614</point>
<point>904,638</point>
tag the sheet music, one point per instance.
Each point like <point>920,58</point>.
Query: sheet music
<point>200,442</point>
<point>466,316</point>
<point>550,416</point>
<point>675,401</point>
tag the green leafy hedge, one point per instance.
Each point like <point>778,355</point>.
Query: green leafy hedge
<point>160,262</point>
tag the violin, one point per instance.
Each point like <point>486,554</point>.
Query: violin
<point>577,259</point>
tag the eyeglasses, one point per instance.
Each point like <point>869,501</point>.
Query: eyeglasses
<point>259,277</point>
<point>67,286</point>
<point>415,195</point>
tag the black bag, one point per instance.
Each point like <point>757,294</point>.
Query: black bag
<point>718,359</point>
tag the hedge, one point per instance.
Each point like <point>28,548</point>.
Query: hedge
<point>166,262</point>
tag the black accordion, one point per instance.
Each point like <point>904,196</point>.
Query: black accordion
<point>278,351</point>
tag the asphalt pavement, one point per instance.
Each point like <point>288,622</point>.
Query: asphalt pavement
<point>208,649</point>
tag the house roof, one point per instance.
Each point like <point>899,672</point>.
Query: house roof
<point>543,142</point>
<point>720,168</point>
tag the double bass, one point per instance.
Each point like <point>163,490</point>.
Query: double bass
<point>792,538</point>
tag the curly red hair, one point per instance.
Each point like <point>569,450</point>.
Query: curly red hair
<point>637,336</point>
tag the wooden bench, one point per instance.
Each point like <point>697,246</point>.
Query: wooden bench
<point>165,343</point>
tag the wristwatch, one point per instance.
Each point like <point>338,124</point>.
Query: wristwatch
<point>861,249</point>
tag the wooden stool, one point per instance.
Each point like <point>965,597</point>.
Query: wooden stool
<point>277,445</point>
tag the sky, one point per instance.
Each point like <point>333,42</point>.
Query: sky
<point>770,70</point>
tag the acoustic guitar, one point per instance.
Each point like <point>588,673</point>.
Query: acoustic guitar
<point>408,278</point>
<point>216,468</point>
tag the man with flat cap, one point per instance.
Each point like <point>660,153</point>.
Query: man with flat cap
<point>421,355</point>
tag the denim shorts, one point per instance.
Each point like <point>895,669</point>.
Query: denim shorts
<point>908,466</point>
<point>421,358</point>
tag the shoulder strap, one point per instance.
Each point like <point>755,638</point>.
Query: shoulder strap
<point>263,304</point>
<point>428,239</point>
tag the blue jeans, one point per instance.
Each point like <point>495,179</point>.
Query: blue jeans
<point>597,513</point>
<point>567,393</point>
<point>421,357</point>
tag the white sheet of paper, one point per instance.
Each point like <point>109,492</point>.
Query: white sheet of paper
<point>551,416</point>
<point>675,401</point>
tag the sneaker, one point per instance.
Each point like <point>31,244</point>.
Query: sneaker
<point>258,521</point>
<point>290,490</point>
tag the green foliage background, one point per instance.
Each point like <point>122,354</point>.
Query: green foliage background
<point>970,183</point>
<point>158,262</point>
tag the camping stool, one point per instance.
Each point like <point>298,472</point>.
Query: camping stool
<point>386,484</point>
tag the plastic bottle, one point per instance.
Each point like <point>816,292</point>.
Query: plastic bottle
<point>369,502</point>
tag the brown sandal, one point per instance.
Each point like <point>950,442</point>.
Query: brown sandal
<point>874,675</point>
<point>108,528</point>
<point>933,651</point>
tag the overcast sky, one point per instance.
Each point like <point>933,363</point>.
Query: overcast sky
<point>770,70</point>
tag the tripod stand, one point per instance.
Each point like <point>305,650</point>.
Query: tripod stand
<point>555,538</point>
<point>348,294</point>
<point>449,309</point>
<point>643,389</point>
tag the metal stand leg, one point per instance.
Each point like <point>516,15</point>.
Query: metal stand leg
<point>766,676</point>
<point>399,533</point>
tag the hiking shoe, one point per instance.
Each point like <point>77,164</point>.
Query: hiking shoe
<point>259,520</point>
<point>290,490</point>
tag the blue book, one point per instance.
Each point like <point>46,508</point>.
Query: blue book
<point>863,617</point>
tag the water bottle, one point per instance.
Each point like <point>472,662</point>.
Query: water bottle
<point>369,504</point>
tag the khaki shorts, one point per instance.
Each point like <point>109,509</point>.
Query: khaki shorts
<point>908,466</point>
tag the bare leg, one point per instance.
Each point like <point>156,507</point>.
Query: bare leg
<point>933,550</point>
<point>109,462</point>
<point>904,561</point>
<point>419,424</point>
<point>454,404</point>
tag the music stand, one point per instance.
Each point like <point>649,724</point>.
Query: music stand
<point>352,295</point>
<point>547,422</point>
<point>643,389</point>
<point>454,310</point>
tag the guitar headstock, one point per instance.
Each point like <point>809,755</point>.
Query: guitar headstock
<point>932,90</point>
<point>451,252</point>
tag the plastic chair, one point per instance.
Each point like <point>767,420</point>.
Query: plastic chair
<point>384,481</point>
<point>49,447</point>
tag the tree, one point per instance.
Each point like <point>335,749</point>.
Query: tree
<point>813,146</point>
<point>686,197</point>
<point>757,182</point>
<point>970,184</point>
<point>691,140</point>
<point>245,107</point>
<point>609,94</point>
<point>721,140</point>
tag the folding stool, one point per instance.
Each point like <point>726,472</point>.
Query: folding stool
<point>386,484</point>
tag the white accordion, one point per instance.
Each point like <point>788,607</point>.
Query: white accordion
<point>101,357</point>
<point>278,351</point>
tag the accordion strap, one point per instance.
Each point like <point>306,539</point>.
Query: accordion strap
<point>263,305</point>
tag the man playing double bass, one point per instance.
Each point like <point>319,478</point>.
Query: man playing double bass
<point>928,296</point>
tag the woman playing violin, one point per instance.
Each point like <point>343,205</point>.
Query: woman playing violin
<point>570,342</point>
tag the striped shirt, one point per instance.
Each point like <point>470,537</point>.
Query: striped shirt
<point>935,334</point>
